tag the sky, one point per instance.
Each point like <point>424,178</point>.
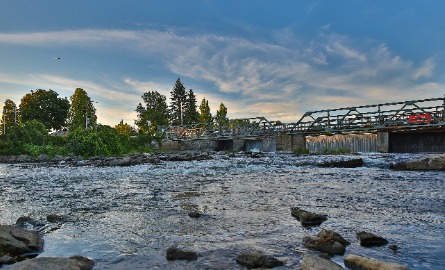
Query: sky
<point>271,58</point>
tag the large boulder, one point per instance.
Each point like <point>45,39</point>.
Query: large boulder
<point>174,253</point>
<point>16,241</point>
<point>256,260</point>
<point>355,262</point>
<point>328,242</point>
<point>307,218</point>
<point>368,239</point>
<point>45,263</point>
<point>315,262</point>
<point>430,163</point>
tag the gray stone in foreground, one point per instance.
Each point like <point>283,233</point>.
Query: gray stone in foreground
<point>314,262</point>
<point>355,262</point>
<point>436,163</point>
<point>307,218</point>
<point>256,260</point>
<point>47,263</point>
<point>368,239</point>
<point>15,241</point>
<point>174,253</point>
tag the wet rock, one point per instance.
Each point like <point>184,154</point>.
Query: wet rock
<point>328,242</point>
<point>424,164</point>
<point>6,260</point>
<point>307,218</point>
<point>315,262</point>
<point>194,214</point>
<point>28,222</point>
<point>16,241</point>
<point>393,247</point>
<point>355,262</point>
<point>174,253</point>
<point>256,260</point>
<point>369,239</point>
<point>54,218</point>
<point>352,163</point>
<point>45,263</point>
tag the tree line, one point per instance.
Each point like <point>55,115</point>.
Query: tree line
<point>24,129</point>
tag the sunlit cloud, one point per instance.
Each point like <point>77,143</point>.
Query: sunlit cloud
<point>279,76</point>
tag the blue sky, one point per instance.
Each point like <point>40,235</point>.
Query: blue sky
<point>269,58</point>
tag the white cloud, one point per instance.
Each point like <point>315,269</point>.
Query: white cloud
<point>277,78</point>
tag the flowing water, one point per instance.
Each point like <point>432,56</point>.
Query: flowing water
<point>126,217</point>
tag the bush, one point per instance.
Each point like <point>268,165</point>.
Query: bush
<point>49,150</point>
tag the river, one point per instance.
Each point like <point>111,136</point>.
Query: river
<point>126,217</point>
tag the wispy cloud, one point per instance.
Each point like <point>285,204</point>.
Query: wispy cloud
<point>277,77</point>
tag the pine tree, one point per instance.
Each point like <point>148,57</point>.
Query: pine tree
<point>191,115</point>
<point>178,100</point>
<point>205,116</point>
<point>221,115</point>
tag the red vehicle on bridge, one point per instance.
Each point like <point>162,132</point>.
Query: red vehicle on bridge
<point>420,118</point>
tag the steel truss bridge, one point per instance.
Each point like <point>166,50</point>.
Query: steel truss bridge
<point>394,116</point>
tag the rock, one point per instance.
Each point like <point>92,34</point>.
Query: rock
<point>194,214</point>
<point>307,218</point>
<point>45,263</point>
<point>328,242</point>
<point>393,247</point>
<point>352,163</point>
<point>430,163</point>
<point>314,262</point>
<point>256,260</point>
<point>355,262</point>
<point>53,218</point>
<point>27,222</point>
<point>174,253</point>
<point>369,239</point>
<point>6,260</point>
<point>16,241</point>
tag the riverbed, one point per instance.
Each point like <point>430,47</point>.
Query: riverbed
<point>126,217</point>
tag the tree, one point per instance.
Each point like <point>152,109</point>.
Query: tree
<point>205,116</point>
<point>45,107</point>
<point>178,100</point>
<point>9,116</point>
<point>154,114</point>
<point>124,129</point>
<point>191,115</point>
<point>82,113</point>
<point>221,115</point>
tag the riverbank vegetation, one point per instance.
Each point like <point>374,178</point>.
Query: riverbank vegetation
<point>46,124</point>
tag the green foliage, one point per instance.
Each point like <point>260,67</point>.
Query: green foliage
<point>302,150</point>
<point>45,107</point>
<point>205,116</point>
<point>124,129</point>
<point>9,148</point>
<point>191,115</point>
<point>31,132</point>
<point>153,115</point>
<point>221,115</point>
<point>49,150</point>
<point>9,116</point>
<point>178,102</point>
<point>82,111</point>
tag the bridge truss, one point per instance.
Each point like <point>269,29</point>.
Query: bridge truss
<point>404,115</point>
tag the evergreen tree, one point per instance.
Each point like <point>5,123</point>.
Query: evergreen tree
<point>178,101</point>
<point>9,116</point>
<point>45,107</point>
<point>154,114</point>
<point>205,116</point>
<point>221,115</point>
<point>191,115</point>
<point>82,113</point>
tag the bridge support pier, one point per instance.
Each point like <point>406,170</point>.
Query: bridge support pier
<point>382,142</point>
<point>290,142</point>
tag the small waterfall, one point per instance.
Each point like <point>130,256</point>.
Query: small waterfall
<point>351,143</point>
